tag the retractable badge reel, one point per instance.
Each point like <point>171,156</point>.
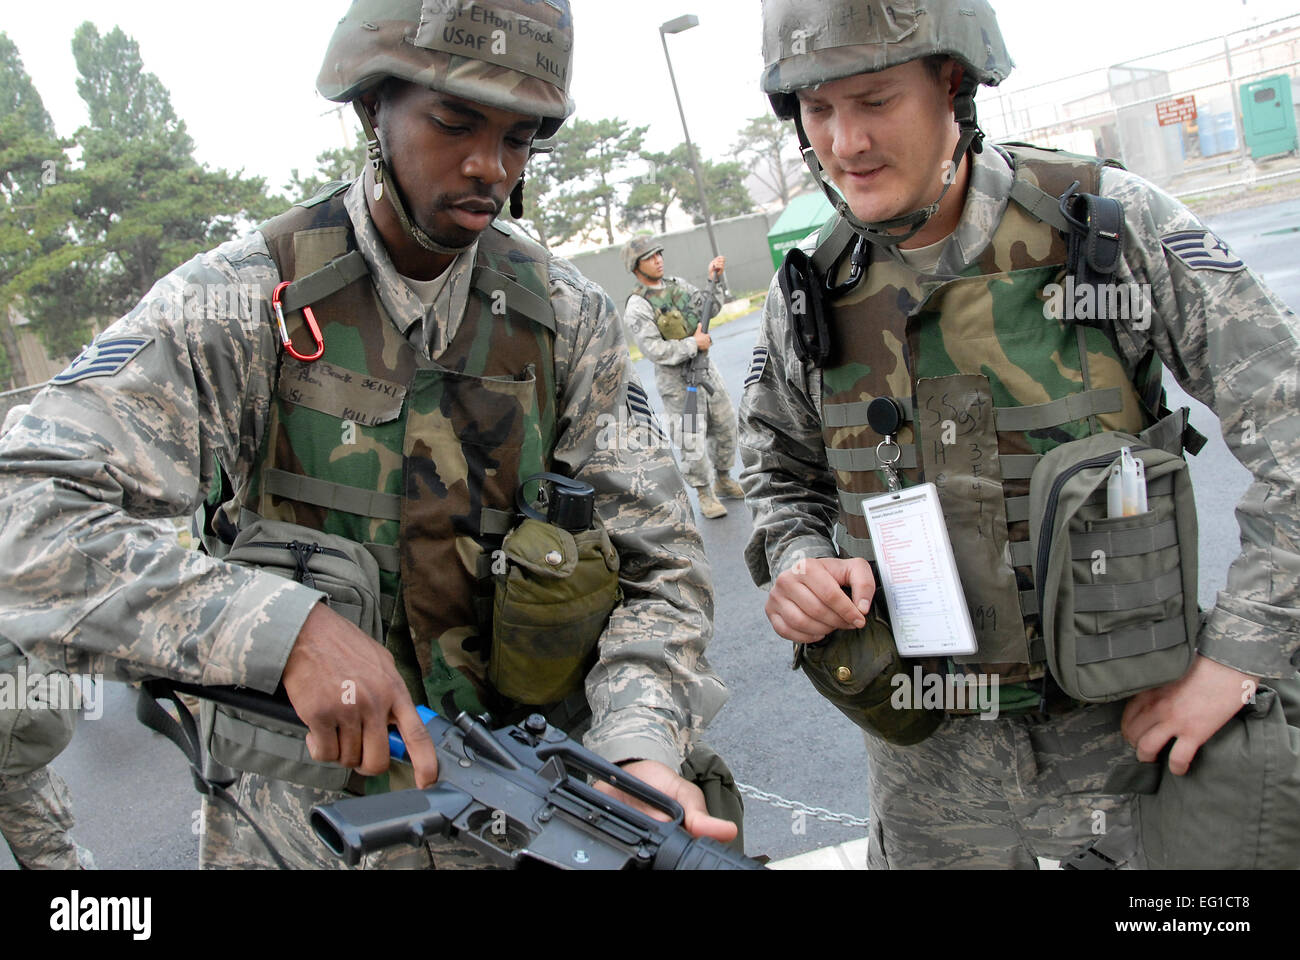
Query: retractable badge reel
<point>885,417</point>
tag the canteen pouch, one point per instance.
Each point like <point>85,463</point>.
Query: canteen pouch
<point>1117,594</point>
<point>672,325</point>
<point>854,670</point>
<point>550,607</point>
<point>349,577</point>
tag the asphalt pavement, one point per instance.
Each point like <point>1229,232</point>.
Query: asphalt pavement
<point>136,808</point>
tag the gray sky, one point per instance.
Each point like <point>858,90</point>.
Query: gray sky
<point>242,73</point>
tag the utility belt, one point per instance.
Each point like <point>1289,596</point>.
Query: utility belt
<point>555,584</point>
<point>1115,595</point>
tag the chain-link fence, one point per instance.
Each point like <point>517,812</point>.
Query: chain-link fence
<point>1195,118</point>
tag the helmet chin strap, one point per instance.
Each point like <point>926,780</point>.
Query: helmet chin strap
<point>880,232</point>
<point>386,186</point>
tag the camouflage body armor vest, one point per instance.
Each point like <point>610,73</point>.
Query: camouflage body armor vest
<point>988,384</point>
<point>675,314</point>
<point>417,460</point>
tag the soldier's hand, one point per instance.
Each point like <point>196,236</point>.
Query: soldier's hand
<point>346,688</point>
<point>808,601</point>
<point>1188,711</point>
<point>702,340</point>
<point>697,822</point>
<point>716,267</point>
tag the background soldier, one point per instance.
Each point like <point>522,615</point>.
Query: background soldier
<point>663,314</point>
<point>941,253</point>
<point>401,413</point>
<point>35,807</point>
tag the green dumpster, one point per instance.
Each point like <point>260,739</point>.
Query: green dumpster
<point>804,214</point>
<point>1268,116</point>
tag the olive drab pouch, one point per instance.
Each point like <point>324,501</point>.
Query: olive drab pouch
<point>349,577</point>
<point>855,671</point>
<point>1238,807</point>
<point>550,606</point>
<point>671,324</point>
<point>1117,594</point>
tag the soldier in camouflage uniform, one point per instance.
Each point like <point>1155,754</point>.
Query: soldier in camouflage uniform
<point>662,314</point>
<point>441,360</point>
<point>942,309</point>
<point>35,806</point>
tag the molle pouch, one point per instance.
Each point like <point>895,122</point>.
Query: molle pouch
<point>854,670</point>
<point>672,325</point>
<point>349,576</point>
<point>550,607</point>
<point>1117,594</point>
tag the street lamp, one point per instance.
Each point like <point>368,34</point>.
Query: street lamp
<point>677,26</point>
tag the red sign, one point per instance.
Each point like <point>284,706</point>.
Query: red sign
<point>1178,110</point>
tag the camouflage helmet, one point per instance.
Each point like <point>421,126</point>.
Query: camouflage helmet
<point>510,54</point>
<point>637,249</point>
<point>810,42</point>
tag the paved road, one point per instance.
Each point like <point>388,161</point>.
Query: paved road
<point>135,806</point>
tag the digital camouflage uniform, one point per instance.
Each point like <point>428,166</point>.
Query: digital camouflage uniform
<point>709,447</point>
<point>990,793</point>
<point>89,585</point>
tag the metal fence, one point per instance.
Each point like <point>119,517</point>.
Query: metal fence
<point>1175,117</point>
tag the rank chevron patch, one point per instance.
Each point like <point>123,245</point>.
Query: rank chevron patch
<point>104,358</point>
<point>1202,250</point>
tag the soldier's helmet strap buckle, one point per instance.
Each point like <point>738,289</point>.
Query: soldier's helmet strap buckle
<point>312,326</point>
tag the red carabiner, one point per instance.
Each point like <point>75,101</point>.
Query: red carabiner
<point>312,326</point>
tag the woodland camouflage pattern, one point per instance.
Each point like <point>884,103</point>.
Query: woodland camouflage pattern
<point>510,54</point>
<point>1230,342</point>
<point>810,42</point>
<point>88,584</point>
<point>1231,345</point>
<point>672,359</point>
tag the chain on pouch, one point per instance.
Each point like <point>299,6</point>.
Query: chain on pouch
<point>854,670</point>
<point>552,602</point>
<point>1118,593</point>
<point>349,577</point>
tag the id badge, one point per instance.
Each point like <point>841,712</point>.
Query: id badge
<point>919,574</point>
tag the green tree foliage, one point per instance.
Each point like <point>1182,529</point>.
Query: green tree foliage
<point>338,164</point>
<point>768,149</point>
<point>575,190</point>
<point>671,180</point>
<point>136,207</point>
<point>30,156</point>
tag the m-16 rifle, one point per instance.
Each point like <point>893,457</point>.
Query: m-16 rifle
<point>518,794</point>
<point>700,362</point>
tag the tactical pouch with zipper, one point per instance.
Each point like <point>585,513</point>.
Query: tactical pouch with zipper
<point>855,670</point>
<point>550,606</point>
<point>1117,594</point>
<point>349,576</point>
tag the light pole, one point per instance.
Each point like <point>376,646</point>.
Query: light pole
<point>677,26</point>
